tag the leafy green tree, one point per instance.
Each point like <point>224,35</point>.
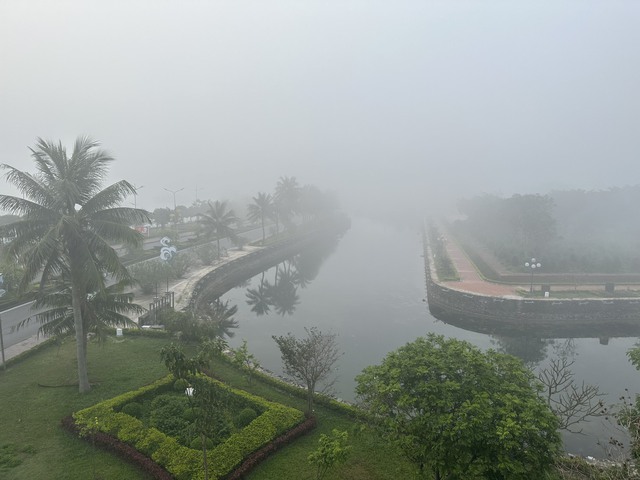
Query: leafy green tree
<point>149,274</point>
<point>332,451</point>
<point>459,413</point>
<point>309,360</point>
<point>514,229</point>
<point>68,224</point>
<point>261,209</point>
<point>162,216</point>
<point>313,203</point>
<point>246,361</point>
<point>219,220</point>
<point>179,364</point>
<point>211,406</point>
<point>12,273</point>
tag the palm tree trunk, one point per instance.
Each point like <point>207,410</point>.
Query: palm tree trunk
<point>263,235</point>
<point>81,345</point>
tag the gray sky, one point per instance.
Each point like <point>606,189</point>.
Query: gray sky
<point>372,99</point>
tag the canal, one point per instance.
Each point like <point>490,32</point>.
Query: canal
<point>369,288</point>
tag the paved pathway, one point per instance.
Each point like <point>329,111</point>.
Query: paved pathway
<point>472,282</point>
<point>181,287</point>
<point>470,279</point>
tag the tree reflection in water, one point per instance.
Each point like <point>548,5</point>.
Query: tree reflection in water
<point>219,315</point>
<point>296,272</point>
<point>530,350</point>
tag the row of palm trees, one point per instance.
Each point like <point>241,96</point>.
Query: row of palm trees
<point>67,223</point>
<point>289,200</point>
<point>219,220</point>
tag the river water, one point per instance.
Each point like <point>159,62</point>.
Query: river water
<point>369,289</point>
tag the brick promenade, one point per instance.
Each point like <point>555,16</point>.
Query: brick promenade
<point>472,282</point>
<point>470,279</point>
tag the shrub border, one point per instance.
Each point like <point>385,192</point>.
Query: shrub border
<point>277,426</point>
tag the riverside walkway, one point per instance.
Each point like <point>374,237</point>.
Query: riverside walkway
<point>182,288</point>
<point>470,280</point>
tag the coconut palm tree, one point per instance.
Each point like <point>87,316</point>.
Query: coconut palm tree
<point>68,224</point>
<point>261,209</point>
<point>219,220</point>
<point>101,311</point>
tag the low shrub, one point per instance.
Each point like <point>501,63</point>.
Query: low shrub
<point>167,415</point>
<point>245,417</point>
<point>180,385</point>
<point>134,409</point>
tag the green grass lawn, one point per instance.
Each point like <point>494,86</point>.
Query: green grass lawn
<point>30,412</point>
<point>37,392</point>
<point>371,459</point>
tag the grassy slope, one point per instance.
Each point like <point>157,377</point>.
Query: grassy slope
<point>371,458</point>
<point>30,416</point>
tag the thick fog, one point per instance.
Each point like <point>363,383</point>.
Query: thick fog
<point>384,102</point>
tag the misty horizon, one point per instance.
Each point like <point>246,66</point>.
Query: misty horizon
<point>400,105</point>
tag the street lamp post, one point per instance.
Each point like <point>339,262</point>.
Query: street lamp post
<point>135,195</point>
<point>174,195</point>
<point>532,265</point>
<point>2,292</point>
<point>175,208</point>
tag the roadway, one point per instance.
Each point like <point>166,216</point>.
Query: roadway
<point>11,318</point>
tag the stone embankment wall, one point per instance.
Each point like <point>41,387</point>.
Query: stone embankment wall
<point>226,277</point>
<point>518,316</point>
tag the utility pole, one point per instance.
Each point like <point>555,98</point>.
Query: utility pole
<point>175,208</point>
<point>135,195</point>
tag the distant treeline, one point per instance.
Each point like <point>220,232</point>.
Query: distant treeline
<point>568,231</point>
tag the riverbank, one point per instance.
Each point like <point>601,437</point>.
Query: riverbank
<point>475,304</point>
<point>235,266</point>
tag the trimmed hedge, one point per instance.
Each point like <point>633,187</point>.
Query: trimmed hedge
<point>183,462</point>
<point>124,451</point>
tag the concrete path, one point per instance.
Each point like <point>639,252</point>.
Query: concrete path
<point>183,287</point>
<point>470,279</point>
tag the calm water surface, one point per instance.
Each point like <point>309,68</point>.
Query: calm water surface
<point>369,288</point>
